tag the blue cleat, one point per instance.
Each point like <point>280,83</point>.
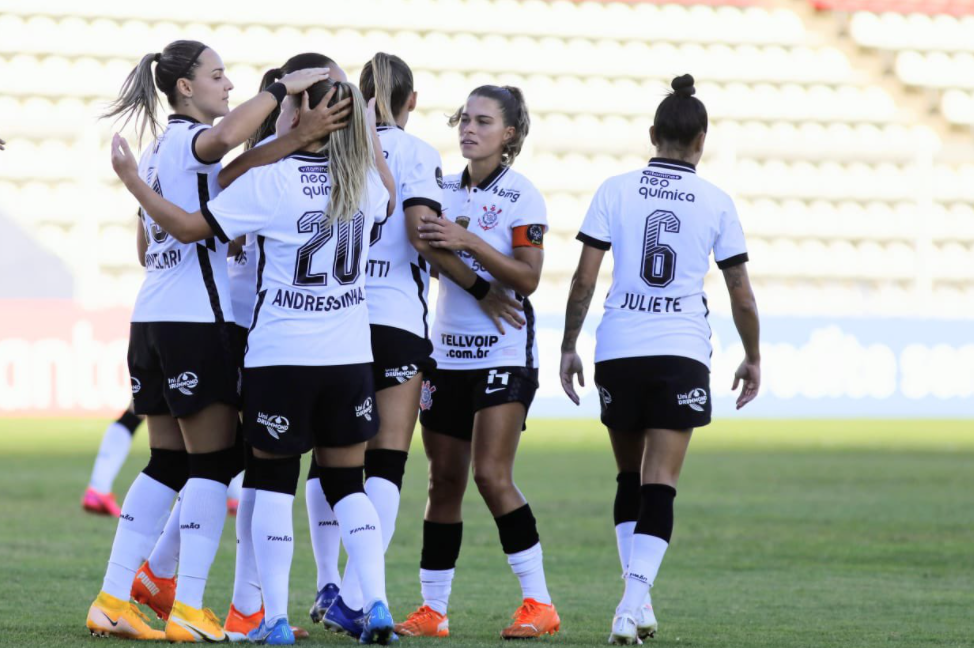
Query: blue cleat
<point>342,619</point>
<point>326,596</point>
<point>279,634</point>
<point>378,626</point>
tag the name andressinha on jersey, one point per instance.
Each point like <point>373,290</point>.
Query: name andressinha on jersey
<point>651,304</point>
<point>318,304</point>
<point>163,260</point>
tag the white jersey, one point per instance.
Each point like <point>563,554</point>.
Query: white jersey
<point>464,337</point>
<point>310,307</point>
<point>398,277</point>
<point>662,222</point>
<point>184,282</point>
<point>242,271</point>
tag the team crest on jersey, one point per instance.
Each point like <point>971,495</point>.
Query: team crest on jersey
<point>402,374</point>
<point>695,399</point>
<point>365,409</point>
<point>426,397</point>
<point>136,385</point>
<point>185,382</point>
<point>489,219</point>
<point>439,177</point>
<point>275,423</point>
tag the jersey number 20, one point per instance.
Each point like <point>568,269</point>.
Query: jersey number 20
<point>348,249</point>
<point>659,259</point>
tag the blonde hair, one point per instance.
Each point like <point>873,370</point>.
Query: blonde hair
<point>387,78</point>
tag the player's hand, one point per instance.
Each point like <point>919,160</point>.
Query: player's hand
<point>301,80</point>
<point>324,120</point>
<point>501,307</point>
<point>123,162</point>
<point>749,373</point>
<point>571,364</point>
<point>444,233</point>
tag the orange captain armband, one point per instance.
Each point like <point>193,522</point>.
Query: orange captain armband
<point>529,236</point>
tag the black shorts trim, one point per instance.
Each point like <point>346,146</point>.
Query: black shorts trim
<point>398,356</point>
<point>420,287</point>
<point>529,324</point>
<point>730,262</point>
<point>593,242</point>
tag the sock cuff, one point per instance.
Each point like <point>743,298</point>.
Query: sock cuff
<point>314,470</point>
<point>658,490</point>
<point>168,467</point>
<point>441,545</point>
<point>626,506</point>
<point>656,511</point>
<point>339,483</point>
<point>518,530</point>
<point>274,475</point>
<point>531,553</point>
<point>129,421</point>
<point>386,464</point>
<point>220,466</point>
<point>436,575</point>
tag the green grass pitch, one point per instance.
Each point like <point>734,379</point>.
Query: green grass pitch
<point>788,533</point>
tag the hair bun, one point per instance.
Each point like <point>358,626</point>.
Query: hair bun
<point>157,57</point>
<point>683,86</point>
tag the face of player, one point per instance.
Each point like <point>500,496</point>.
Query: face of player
<point>481,129</point>
<point>210,89</point>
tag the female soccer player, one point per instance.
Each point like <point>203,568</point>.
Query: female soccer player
<point>474,405</point>
<point>307,378</point>
<point>183,354</point>
<point>114,448</point>
<point>652,355</point>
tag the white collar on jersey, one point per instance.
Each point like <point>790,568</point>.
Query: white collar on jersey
<point>675,165</point>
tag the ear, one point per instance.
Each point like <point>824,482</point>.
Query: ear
<point>508,134</point>
<point>652,136</point>
<point>411,104</point>
<point>184,87</point>
<point>295,119</point>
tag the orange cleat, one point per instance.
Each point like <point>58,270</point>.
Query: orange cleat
<point>112,617</point>
<point>237,625</point>
<point>154,592</point>
<point>424,622</point>
<point>532,619</point>
<point>100,503</point>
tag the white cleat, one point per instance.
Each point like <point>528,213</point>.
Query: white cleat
<point>646,625</point>
<point>624,631</point>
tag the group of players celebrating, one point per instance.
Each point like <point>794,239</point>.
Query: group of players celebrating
<point>284,309</point>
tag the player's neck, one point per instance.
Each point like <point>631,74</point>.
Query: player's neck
<point>480,169</point>
<point>678,154</point>
<point>190,110</point>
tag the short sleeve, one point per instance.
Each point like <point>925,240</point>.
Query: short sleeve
<point>595,230</point>
<point>422,181</point>
<point>729,247</point>
<point>185,148</point>
<point>529,209</point>
<point>246,206</point>
<point>378,198</point>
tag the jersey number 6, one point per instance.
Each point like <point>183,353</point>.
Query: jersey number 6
<point>348,249</point>
<point>659,260</point>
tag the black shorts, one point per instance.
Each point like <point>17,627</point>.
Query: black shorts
<point>180,368</point>
<point>289,409</point>
<point>663,392</point>
<point>398,356</point>
<point>451,397</point>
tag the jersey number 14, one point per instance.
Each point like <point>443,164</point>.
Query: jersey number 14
<point>659,259</point>
<point>348,248</point>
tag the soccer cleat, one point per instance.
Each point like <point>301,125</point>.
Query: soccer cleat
<point>646,625</point>
<point>232,506</point>
<point>379,627</point>
<point>190,625</point>
<point>100,503</point>
<point>112,617</point>
<point>342,619</point>
<point>624,631</point>
<point>425,622</point>
<point>154,592</point>
<point>238,626</point>
<point>326,596</point>
<point>532,619</point>
<point>279,634</point>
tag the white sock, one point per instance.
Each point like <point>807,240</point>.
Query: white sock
<point>165,555</point>
<point>112,452</point>
<point>384,496</point>
<point>273,536</point>
<point>644,562</point>
<point>362,537</point>
<point>143,514</point>
<point>326,537</point>
<point>235,487</point>
<point>246,579</point>
<point>528,566</point>
<point>201,519</point>
<point>624,531</point>
<point>436,585</point>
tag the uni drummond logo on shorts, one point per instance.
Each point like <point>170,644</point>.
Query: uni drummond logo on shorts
<point>136,385</point>
<point>365,409</point>
<point>402,374</point>
<point>185,382</point>
<point>275,423</point>
<point>695,399</point>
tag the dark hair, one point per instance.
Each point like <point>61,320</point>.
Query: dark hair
<point>293,64</point>
<point>138,99</point>
<point>680,117</point>
<point>387,78</point>
<point>515,112</point>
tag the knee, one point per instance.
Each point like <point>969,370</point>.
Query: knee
<point>446,485</point>
<point>493,480</point>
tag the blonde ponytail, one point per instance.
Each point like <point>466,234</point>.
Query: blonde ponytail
<point>388,80</point>
<point>351,158</point>
<point>137,100</point>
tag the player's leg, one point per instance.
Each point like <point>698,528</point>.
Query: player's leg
<point>497,431</point>
<point>326,541</point>
<point>114,449</point>
<point>155,582</point>
<point>627,447</point>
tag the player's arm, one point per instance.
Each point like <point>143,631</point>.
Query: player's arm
<point>314,124</point>
<point>234,129</point>
<point>579,299</point>
<point>182,225</point>
<point>141,245</point>
<point>493,299</point>
<point>235,246</point>
<point>745,311</point>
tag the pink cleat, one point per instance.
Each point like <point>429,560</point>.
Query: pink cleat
<point>100,503</point>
